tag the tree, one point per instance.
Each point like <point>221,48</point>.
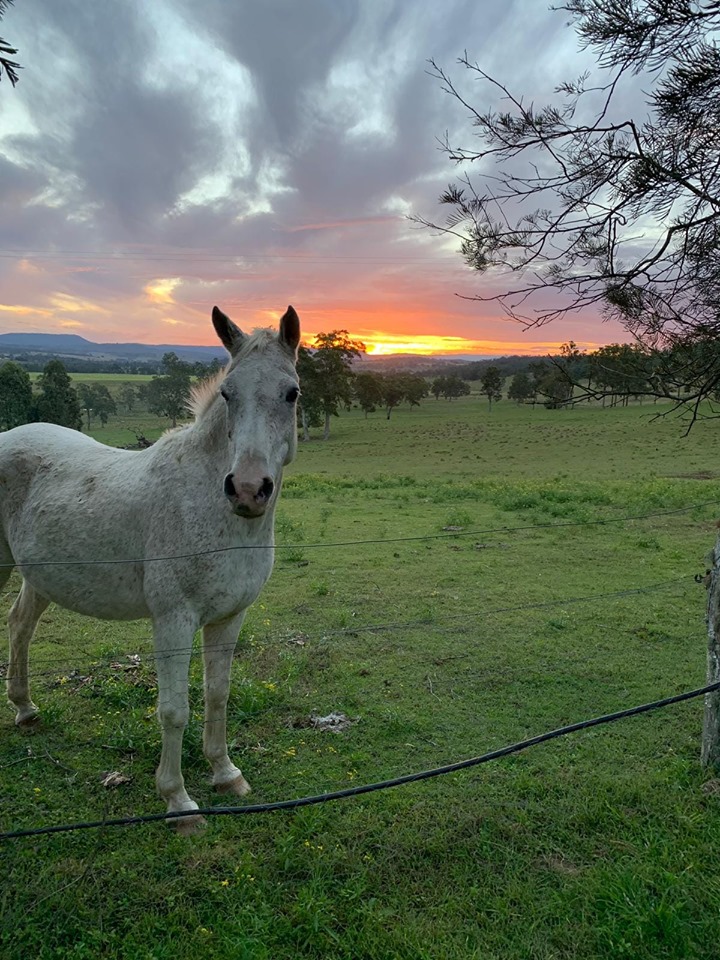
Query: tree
<point>521,388</point>
<point>597,181</point>
<point>15,395</point>
<point>168,395</point>
<point>127,397</point>
<point>455,386</point>
<point>415,388</point>
<point>437,387</point>
<point>368,390</point>
<point>538,370</point>
<point>142,390</point>
<point>104,406</point>
<point>393,392</point>
<point>491,384</point>
<point>620,371</point>
<point>7,66</point>
<point>331,383</point>
<point>557,389</point>
<point>310,404</point>
<point>95,400</point>
<point>204,371</point>
<point>84,393</point>
<point>58,401</point>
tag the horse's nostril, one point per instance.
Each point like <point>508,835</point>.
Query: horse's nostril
<point>266,489</point>
<point>229,487</point>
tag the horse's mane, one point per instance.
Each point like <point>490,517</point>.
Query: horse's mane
<point>203,393</point>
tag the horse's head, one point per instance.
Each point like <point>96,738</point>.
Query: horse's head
<point>260,391</point>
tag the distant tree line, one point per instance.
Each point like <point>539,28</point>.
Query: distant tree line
<point>613,375</point>
<point>35,362</point>
<point>58,401</point>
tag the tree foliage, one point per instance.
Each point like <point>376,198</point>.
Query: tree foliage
<point>368,389</point>
<point>7,66</point>
<point>310,404</point>
<point>127,397</point>
<point>15,396</point>
<point>491,384</point>
<point>58,401</point>
<point>620,214</point>
<point>96,400</point>
<point>326,378</point>
<point>399,387</point>
<point>521,389</point>
<point>450,387</point>
<point>168,396</point>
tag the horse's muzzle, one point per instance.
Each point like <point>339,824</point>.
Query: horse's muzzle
<point>249,498</point>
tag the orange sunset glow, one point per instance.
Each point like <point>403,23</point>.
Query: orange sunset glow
<point>381,344</point>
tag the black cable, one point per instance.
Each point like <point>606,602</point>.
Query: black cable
<point>369,787</point>
<point>354,543</point>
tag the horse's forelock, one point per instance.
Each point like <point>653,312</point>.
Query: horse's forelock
<point>257,340</point>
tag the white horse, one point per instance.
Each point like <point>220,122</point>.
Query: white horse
<point>207,490</point>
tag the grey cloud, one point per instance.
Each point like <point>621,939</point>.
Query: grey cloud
<point>120,147</point>
<point>288,47</point>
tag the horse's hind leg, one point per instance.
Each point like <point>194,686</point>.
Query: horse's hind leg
<point>22,620</point>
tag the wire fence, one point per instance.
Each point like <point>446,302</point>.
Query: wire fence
<point>474,532</point>
<point>439,624</point>
<point>443,623</point>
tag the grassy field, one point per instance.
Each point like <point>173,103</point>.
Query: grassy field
<point>600,845</point>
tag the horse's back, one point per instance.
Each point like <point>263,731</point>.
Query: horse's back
<point>67,498</point>
<point>46,441</point>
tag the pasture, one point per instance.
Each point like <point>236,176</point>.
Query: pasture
<point>603,844</point>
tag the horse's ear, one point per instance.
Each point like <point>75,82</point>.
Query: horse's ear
<point>290,329</point>
<point>230,335</point>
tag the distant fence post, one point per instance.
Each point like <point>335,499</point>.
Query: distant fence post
<point>710,754</point>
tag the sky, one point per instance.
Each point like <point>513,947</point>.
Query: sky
<point>161,156</point>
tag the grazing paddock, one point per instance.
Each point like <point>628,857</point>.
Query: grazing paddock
<point>603,844</point>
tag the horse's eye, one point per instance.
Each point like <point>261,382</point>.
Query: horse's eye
<point>292,395</point>
<point>223,394</point>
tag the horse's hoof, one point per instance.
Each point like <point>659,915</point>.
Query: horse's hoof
<point>190,826</point>
<point>27,719</point>
<point>239,786</point>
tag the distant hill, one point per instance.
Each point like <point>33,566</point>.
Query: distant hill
<point>72,345</point>
<point>79,354</point>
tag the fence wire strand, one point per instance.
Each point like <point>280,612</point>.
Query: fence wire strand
<point>441,624</point>
<point>21,564</point>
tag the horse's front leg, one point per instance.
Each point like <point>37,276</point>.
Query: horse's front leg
<point>173,647</point>
<point>218,647</point>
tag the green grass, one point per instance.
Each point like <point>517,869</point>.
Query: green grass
<point>600,845</point>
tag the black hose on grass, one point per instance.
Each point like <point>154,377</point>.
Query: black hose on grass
<point>368,787</point>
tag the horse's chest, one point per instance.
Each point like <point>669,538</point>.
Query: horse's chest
<point>230,582</point>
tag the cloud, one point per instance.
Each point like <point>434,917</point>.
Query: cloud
<point>66,303</point>
<point>252,154</point>
<point>24,311</point>
<point>161,290</point>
